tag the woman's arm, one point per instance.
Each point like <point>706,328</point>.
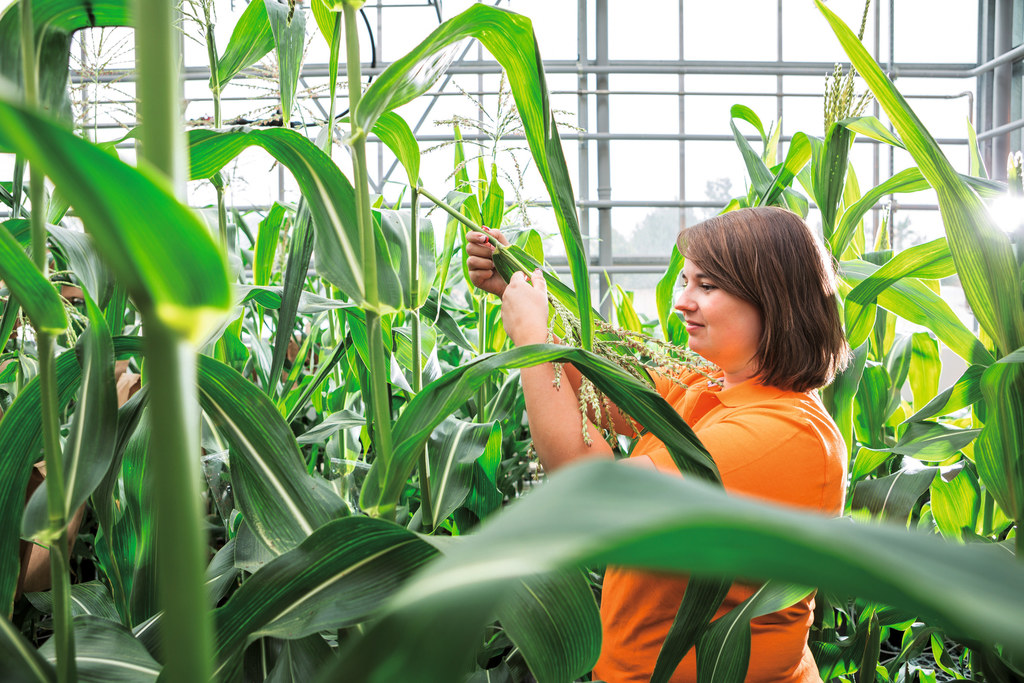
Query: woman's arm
<point>553,412</point>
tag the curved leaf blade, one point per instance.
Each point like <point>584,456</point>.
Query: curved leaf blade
<point>251,39</point>
<point>40,300</point>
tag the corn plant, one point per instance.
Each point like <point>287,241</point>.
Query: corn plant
<point>327,561</point>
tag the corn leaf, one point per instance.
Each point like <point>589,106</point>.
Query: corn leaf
<point>267,238</point>
<point>703,597</point>
<point>893,497</point>
<point>89,448</point>
<point>672,328</point>
<point>997,452</point>
<point>106,651</point>
<point>91,597</point>
<point>22,661</point>
<point>288,27</point>
<point>78,250</point>
<point>452,452</point>
<point>912,300</point>
<point>933,442</point>
<point>509,38</point>
<point>930,260</point>
<point>669,524</point>
<point>554,621</point>
<point>964,392</point>
<point>759,174</point>
<point>829,162</point>
<point>396,134</point>
<point>140,240</point>
<point>335,578</point>
<point>981,251</point>
<point>907,180</point>
<point>956,503</point>
<point>723,653</point>
<point>925,365</point>
<point>300,251</point>
<point>441,398</point>
<point>251,39</point>
<point>41,302</point>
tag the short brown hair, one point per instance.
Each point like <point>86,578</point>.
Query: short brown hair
<point>768,257</point>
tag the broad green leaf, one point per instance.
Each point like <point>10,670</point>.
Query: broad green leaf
<point>745,113</point>
<point>300,251</point>
<point>484,497</point>
<point>492,209</point>
<point>83,261</point>
<point>723,653</point>
<point>288,27</point>
<point>907,180</point>
<point>997,452</point>
<point>251,39</point>
<point>797,156</point>
<point>829,162</point>
<point>509,38</point>
<point>396,228</point>
<point>913,301</point>
<point>981,251</point>
<point>933,442</point>
<point>554,621</point>
<point>267,239</point>
<point>700,602</point>
<point>282,503</point>
<point>977,166</point>
<point>91,597</point>
<point>335,578</point>
<point>872,405</point>
<point>956,503</point>
<point>89,448</point>
<point>322,372</point>
<point>868,460</point>
<point>55,21</point>
<point>1014,357</point>
<point>444,322</point>
<point>298,660</point>
<point>839,396</point>
<point>21,444</point>
<point>966,391</point>
<point>664,523</point>
<point>332,424</point>
<point>106,651</point>
<point>441,397</point>
<point>22,662</point>
<point>893,497</point>
<point>188,294</point>
<point>452,452</point>
<point>42,303</point>
<point>760,176</point>
<point>930,260</point>
<point>871,127</point>
<point>625,314</point>
<point>396,134</point>
<point>324,19</point>
<point>925,365</point>
<point>672,328</point>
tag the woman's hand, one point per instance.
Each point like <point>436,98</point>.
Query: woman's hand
<point>481,264</point>
<point>524,309</point>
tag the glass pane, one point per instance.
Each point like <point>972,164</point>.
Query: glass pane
<point>730,30</point>
<point>648,30</point>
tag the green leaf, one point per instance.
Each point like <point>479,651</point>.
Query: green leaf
<point>829,162</point>
<point>893,497</point>
<point>441,397</point>
<point>977,166</point>
<point>300,251</point>
<point>907,180</point>
<point>672,328</point>
<point>966,391</point>
<point>933,442</point>
<point>89,449</point>
<point>91,597</point>
<point>930,260</point>
<point>723,653</point>
<point>925,365</point>
<point>251,39</point>
<point>41,302</point>
<point>797,156</point>
<point>140,240</point>
<point>396,134</point>
<point>839,396</point>
<point>106,651</point>
<point>335,578</point>
<point>21,443</point>
<point>396,230</point>
<point>332,424</point>
<point>997,452</point>
<point>870,126</point>
<point>299,660</point>
<point>83,261</point>
<point>452,452</point>
<point>912,300</point>
<point>267,239</point>
<point>509,38</point>
<point>288,27</point>
<point>555,623</point>
<point>956,503</point>
<point>867,461</point>
<point>663,523</point>
<point>22,663</point>
<point>701,600</point>
<point>759,174</point>
<point>55,21</point>
<point>981,251</point>
<point>282,503</point>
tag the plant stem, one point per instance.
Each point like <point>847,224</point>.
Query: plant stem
<point>335,50</point>
<point>426,505</point>
<point>379,409</point>
<point>60,569</point>
<point>218,122</point>
<point>456,214</point>
<point>187,629</point>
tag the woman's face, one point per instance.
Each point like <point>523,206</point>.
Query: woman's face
<point>723,328</point>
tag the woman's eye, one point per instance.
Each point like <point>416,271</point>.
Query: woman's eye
<point>706,287</point>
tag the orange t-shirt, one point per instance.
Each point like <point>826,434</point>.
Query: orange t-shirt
<point>774,445</point>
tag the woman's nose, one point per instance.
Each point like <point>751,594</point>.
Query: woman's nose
<point>683,301</point>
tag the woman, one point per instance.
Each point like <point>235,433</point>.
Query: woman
<point>758,299</point>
